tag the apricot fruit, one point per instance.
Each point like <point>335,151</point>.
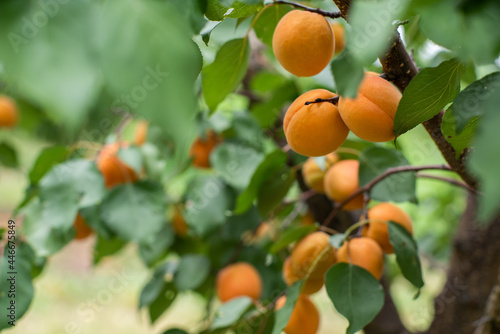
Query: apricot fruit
<point>81,227</point>
<point>303,43</point>
<point>314,175</point>
<point>202,147</point>
<point>238,280</point>
<point>315,129</point>
<point>312,256</point>
<point>379,231</point>
<point>141,132</point>
<point>370,115</point>
<point>365,253</point>
<point>311,285</point>
<point>341,180</point>
<point>113,170</point>
<point>304,318</point>
<point>308,219</point>
<point>179,223</point>
<point>339,36</point>
<point>8,112</point>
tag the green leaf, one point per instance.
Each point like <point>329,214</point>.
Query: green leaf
<point>485,158</point>
<point>268,20</point>
<point>291,235</point>
<point>337,240</point>
<point>469,103</point>
<point>427,94</point>
<point>347,74</point>
<point>153,251</point>
<point>371,28</point>
<point>106,247</point>
<point>192,12</point>
<point>132,157</point>
<point>269,111</point>
<point>284,313</point>
<point>64,77</point>
<point>469,32</point>
<point>159,83</point>
<point>81,176</point>
<point>163,302</point>
<point>406,252</point>
<point>17,265</point>
<point>218,10</point>
<point>272,193</point>
<point>459,141</point>
<point>228,69</point>
<point>272,163</point>
<point>399,187</point>
<point>155,286</point>
<point>230,312</point>
<point>192,271</point>
<point>356,294</point>
<point>175,331</point>
<point>235,163</point>
<point>208,200</point>
<point>135,212</point>
<point>48,158</point>
<point>8,156</point>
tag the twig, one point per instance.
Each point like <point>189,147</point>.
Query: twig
<point>368,187</point>
<point>334,100</point>
<point>449,180</point>
<point>333,15</point>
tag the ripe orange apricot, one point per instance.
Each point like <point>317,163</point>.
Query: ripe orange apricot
<point>303,43</point>
<point>308,219</point>
<point>114,171</point>
<point>81,227</point>
<point>339,34</point>
<point>8,112</point>
<point>370,115</point>
<point>314,175</point>
<point>341,180</point>
<point>141,133</point>
<point>379,231</point>
<point>316,129</point>
<point>201,149</point>
<point>313,250</point>
<point>365,253</point>
<point>304,318</point>
<point>238,280</point>
<point>179,223</point>
<point>311,285</point>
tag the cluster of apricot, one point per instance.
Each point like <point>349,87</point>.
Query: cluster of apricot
<point>303,43</point>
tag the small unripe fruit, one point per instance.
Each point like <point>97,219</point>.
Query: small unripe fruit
<point>365,253</point>
<point>8,112</point>
<point>370,115</point>
<point>313,174</point>
<point>238,280</point>
<point>379,231</point>
<point>81,227</point>
<point>113,170</point>
<point>202,147</point>
<point>315,129</point>
<point>303,43</point>
<point>304,318</point>
<point>341,181</point>
<point>312,255</point>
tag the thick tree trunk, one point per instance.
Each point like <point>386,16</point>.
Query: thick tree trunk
<point>473,273</point>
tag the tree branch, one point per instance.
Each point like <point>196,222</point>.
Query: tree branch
<point>333,15</point>
<point>368,187</point>
<point>449,180</point>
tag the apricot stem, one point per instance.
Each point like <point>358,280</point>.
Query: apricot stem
<point>368,187</point>
<point>334,100</point>
<point>333,15</point>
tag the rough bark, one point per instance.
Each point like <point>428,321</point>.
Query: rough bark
<point>473,273</point>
